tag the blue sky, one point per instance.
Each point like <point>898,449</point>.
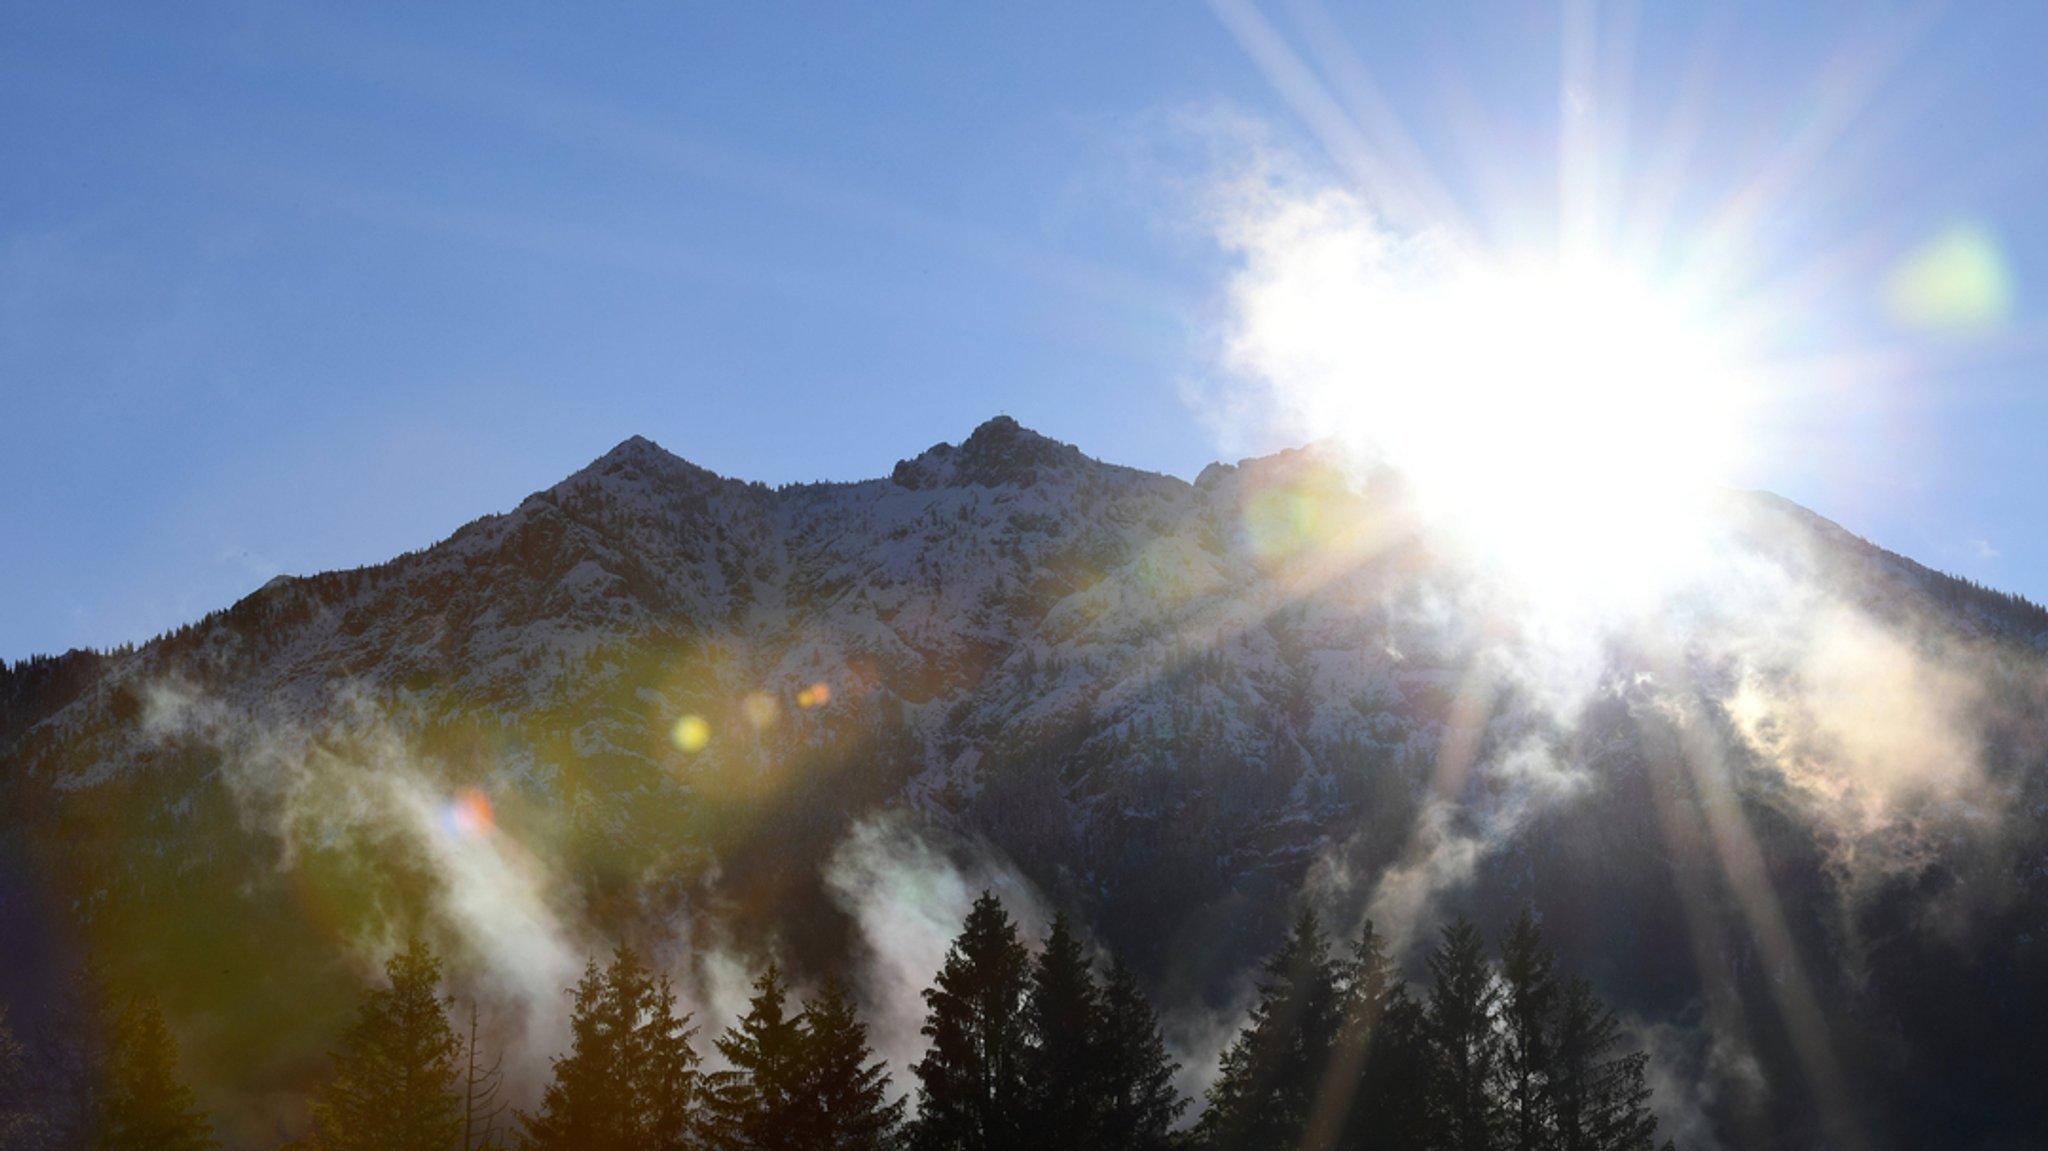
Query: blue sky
<point>285,289</point>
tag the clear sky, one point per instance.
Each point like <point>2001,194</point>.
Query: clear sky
<point>288,288</point>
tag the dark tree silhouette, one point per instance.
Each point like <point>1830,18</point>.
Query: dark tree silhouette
<point>1527,1010</point>
<point>1600,1098</point>
<point>668,1087</point>
<point>397,1077</point>
<point>1464,1007</point>
<point>1394,1091</point>
<point>481,1082</point>
<point>1266,1087</point>
<point>1063,1012</point>
<point>629,1080</point>
<point>1345,1110</point>
<point>1135,1077</point>
<point>757,1104</point>
<point>844,1088</point>
<point>147,1107</point>
<point>971,1093</point>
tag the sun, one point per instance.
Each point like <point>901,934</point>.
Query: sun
<point>1572,431</point>
<point>1561,419</point>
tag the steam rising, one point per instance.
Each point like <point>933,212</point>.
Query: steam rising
<point>356,779</point>
<point>909,899</point>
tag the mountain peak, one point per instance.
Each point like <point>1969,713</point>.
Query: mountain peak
<point>635,449</point>
<point>1001,452</point>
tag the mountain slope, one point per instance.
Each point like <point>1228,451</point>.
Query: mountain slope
<point>1173,707</point>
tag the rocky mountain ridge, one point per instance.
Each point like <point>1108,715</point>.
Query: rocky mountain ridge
<point>1173,706</point>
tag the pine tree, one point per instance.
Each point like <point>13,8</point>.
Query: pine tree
<point>1353,1091</point>
<point>147,1108</point>
<point>397,1076</point>
<point>628,1080</point>
<point>844,1089</point>
<point>481,1081</point>
<point>754,1106</point>
<point>1265,1089</point>
<point>1139,1104</point>
<point>1464,1006</point>
<point>1398,1080</point>
<point>668,1084</point>
<point>1528,1002</point>
<point>1600,1100</point>
<point>970,1082</point>
<point>1063,1012</point>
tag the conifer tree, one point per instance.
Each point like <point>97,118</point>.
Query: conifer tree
<point>628,1080</point>
<point>844,1088</point>
<point>1600,1099</point>
<point>755,1105</point>
<point>1265,1089</point>
<point>481,1081</point>
<point>581,1107</point>
<point>397,1077</point>
<point>1351,1091</point>
<point>668,1084</point>
<point>1139,1104</point>
<point>1063,1011</point>
<point>970,1082</point>
<point>1528,1002</point>
<point>1397,1081</point>
<point>1464,1006</point>
<point>147,1107</point>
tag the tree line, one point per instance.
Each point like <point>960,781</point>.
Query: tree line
<point>1024,1051</point>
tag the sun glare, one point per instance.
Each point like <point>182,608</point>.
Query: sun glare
<point>1570,429</point>
<point>1560,419</point>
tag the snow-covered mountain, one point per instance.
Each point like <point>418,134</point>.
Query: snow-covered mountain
<point>1173,707</point>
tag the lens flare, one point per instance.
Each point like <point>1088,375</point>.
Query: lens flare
<point>468,814</point>
<point>817,695</point>
<point>1955,284</point>
<point>760,710</point>
<point>691,733</point>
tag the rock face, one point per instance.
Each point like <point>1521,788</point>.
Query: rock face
<point>1172,707</point>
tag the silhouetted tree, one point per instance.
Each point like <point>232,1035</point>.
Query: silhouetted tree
<point>971,1093</point>
<point>1352,1091</point>
<point>755,1105</point>
<point>1266,1086</point>
<point>1063,1013</point>
<point>1134,1075</point>
<point>1398,1078</point>
<point>1600,1099</point>
<point>628,1082</point>
<point>481,1081</point>
<point>1528,1003</point>
<point>147,1107</point>
<point>843,1088</point>
<point>668,1087</point>
<point>397,1076</point>
<point>1464,1008</point>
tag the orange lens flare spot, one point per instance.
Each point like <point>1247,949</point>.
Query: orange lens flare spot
<point>469,813</point>
<point>817,695</point>
<point>691,733</point>
<point>760,710</point>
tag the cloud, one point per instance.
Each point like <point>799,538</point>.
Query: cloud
<point>908,897</point>
<point>510,928</point>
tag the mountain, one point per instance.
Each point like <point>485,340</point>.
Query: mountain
<point>1787,816</point>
